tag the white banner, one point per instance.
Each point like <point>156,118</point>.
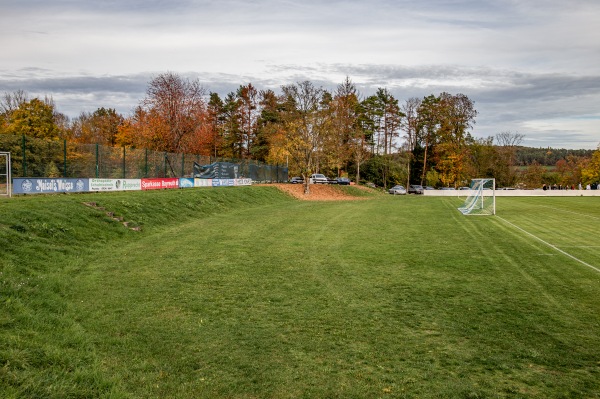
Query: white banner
<point>202,182</point>
<point>115,184</point>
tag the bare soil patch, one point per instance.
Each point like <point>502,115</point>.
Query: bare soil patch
<point>318,192</point>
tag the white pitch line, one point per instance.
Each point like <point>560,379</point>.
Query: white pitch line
<point>550,245</point>
<point>580,246</point>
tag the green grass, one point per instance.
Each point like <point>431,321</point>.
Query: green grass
<point>246,293</point>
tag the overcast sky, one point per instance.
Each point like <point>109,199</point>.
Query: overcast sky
<point>531,66</point>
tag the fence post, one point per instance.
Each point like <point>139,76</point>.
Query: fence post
<point>97,166</point>
<point>182,164</point>
<point>165,165</point>
<point>24,157</point>
<point>65,158</point>
<point>123,162</point>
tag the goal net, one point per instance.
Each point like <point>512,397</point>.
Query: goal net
<point>5,178</point>
<point>481,199</point>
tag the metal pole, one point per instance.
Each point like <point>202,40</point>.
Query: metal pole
<point>8,176</point>
<point>24,158</point>
<point>146,167</point>
<point>65,158</point>
<point>124,162</point>
<point>182,164</point>
<point>97,159</point>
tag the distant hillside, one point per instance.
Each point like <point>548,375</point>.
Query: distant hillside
<point>547,156</point>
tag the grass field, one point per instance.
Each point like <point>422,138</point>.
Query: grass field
<point>247,293</point>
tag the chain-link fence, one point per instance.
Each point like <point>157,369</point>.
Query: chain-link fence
<point>32,157</point>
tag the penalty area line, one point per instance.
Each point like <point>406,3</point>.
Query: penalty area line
<point>548,244</point>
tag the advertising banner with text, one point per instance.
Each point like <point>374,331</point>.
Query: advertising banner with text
<point>203,182</point>
<point>115,184</point>
<point>243,182</point>
<point>159,184</point>
<point>223,182</point>
<point>43,186</point>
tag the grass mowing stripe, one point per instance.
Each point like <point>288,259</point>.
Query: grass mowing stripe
<point>571,212</point>
<point>548,244</point>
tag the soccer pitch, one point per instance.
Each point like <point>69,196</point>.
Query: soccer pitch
<point>385,297</point>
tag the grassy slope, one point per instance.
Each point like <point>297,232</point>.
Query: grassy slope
<point>269,297</point>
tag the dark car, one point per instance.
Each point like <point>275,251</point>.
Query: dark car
<point>296,180</point>
<point>343,180</point>
<point>415,189</point>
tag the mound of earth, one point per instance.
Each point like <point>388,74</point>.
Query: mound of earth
<point>318,192</point>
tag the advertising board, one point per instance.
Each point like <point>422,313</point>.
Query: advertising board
<point>243,182</point>
<point>185,182</point>
<point>223,182</point>
<point>159,184</point>
<point>115,184</point>
<point>44,186</point>
<point>203,182</point>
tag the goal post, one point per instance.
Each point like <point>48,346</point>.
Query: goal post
<point>5,177</point>
<point>481,199</point>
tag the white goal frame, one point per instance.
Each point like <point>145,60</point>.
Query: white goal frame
<point>482,198</point>
<point>5,175</point>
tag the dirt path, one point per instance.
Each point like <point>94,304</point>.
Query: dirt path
<point>318,192</point>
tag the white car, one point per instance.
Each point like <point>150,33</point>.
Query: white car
<point>398,190</point>
<point>318,178</point>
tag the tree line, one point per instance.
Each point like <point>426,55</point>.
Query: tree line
<point>373,138</point>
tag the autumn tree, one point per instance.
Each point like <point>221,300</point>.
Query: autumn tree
<point>344,140</point>
<point>428,122</point>
<point>409,125</point>
<point>175,109</point>
<point>383,110</point>
<point>12,101</point>
<point>249,112</point>
<point>35,118</point>
<point>457,117</point>
<point>233,141</point>
<point>269,145</point>
<point>507,145</point>
<point>590,173</point>
<point>306,126</point>
<point>533,175</point>
<point>483,158</point>
<point>215,124</point>
<point>101,126</point>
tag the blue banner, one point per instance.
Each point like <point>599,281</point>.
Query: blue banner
<point>185,182</point>
<point>42,186</point>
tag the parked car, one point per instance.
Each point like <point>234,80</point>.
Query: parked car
<point>296,180</point>
<point>447,188</point>
<point>317,178</point>
<point>464,188</point>
<point>343,180</point>
<point>398,190</point>
<point>428,188</point>
<point>332,181</point>
<point>415,189</point>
